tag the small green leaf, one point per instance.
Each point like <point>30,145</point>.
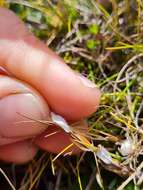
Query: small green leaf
<point>92,44</point>
<point>93,29</point>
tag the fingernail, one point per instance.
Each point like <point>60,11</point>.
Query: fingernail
<point>18,113</point>
<point>86,82</point>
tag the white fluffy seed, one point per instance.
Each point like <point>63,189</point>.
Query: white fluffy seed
<point>61,122</point>
<point>104,155</point>
<point>127,147</point>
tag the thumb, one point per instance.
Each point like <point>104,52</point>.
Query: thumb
<point>18,98</point>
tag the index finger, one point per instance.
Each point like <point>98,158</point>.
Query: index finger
<point>66,92</point>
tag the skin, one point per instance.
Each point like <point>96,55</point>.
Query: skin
<point>33,81</point>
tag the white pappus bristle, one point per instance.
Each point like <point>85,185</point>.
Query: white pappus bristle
<point>61,122</point>
<point>104,155</point>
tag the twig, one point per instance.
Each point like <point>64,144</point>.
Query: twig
<point>130,178</point>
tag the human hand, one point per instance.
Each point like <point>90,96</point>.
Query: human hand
<point>34,81</point>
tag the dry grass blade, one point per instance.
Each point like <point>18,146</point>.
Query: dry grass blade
<point>98,174</point>
<point>79,179</point>
<point>57,186</point>
<point>7,179</point>
<point>64,150</point>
